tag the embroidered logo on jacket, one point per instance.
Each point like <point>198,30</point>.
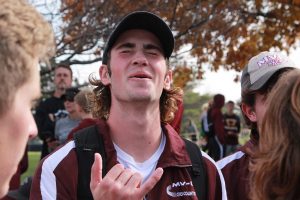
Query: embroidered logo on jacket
<point>175,189</point>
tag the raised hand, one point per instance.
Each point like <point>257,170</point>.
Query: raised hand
<point>120,183</point>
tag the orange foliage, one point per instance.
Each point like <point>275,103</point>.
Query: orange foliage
<point>181,76</point>
<point>221,33</point>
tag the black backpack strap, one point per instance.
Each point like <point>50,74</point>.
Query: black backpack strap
<point>88,141</point>
<point>198,171</point>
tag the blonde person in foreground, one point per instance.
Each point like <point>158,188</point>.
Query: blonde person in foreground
<point>25,38</point>
<point>276,165</point>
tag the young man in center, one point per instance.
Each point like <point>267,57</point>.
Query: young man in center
<point>145,157</point>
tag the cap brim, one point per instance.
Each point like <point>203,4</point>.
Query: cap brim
<point>264,79</point>
<point>146,21</point>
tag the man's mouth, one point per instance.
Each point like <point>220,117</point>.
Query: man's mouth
<point>62,85</point>
<point>140,76</point>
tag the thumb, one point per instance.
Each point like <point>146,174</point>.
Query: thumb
<point>96,171</point>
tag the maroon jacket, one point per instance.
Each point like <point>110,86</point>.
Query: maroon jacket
<point>235,169</point>
<point>56,176</point>
<point>82,124</point>
<point>218,118</point>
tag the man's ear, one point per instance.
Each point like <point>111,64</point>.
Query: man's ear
<point>104,75</point>
<point>249,112</point>
<point>168,80</point>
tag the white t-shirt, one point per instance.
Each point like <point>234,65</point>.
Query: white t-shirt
<point>145,168</point>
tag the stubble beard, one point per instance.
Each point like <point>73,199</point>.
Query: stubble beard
<point>62,86</point>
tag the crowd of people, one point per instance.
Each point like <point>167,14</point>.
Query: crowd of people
<point>122,140</point>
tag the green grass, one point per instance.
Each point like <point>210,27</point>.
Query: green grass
<point>33,160</point>
<point>244,136</point>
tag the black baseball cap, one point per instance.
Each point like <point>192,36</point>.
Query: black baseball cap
<point>146,21</point>
<point>70,94</point>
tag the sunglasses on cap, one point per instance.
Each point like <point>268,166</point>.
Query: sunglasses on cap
<point>69,98</point>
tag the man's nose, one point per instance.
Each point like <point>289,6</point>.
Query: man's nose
<point>140,59</point>
<point>32,128</point>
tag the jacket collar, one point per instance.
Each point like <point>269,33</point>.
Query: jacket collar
<point>174,154</point>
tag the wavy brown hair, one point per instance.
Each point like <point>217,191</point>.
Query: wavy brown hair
<point>276,165</point>
<point>101,100</point>
<point>83,100</point>
<point>24,36</point>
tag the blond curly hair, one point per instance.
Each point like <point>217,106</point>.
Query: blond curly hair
<point>24,36</point>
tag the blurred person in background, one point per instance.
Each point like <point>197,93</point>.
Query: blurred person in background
<point>64,125</point>
<point>232,127</point>
<point>191,130</point>
<point>215,121</point>
<point>204,130</point>
<point>83,105</point>
<point>52,108</point>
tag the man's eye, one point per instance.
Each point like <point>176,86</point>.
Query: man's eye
<point>125,51</point>
<point>152,53</point>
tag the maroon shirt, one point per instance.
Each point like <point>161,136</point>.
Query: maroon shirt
<point>56,176</point>
<point>217,118</point>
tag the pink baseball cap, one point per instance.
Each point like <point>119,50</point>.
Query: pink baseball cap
<point>261,67</point>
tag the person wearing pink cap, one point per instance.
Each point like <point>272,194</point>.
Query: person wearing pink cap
<point>258,78</point>
<point>275,170</point>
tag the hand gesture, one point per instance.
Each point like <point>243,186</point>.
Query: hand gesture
<point>120,183</point>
